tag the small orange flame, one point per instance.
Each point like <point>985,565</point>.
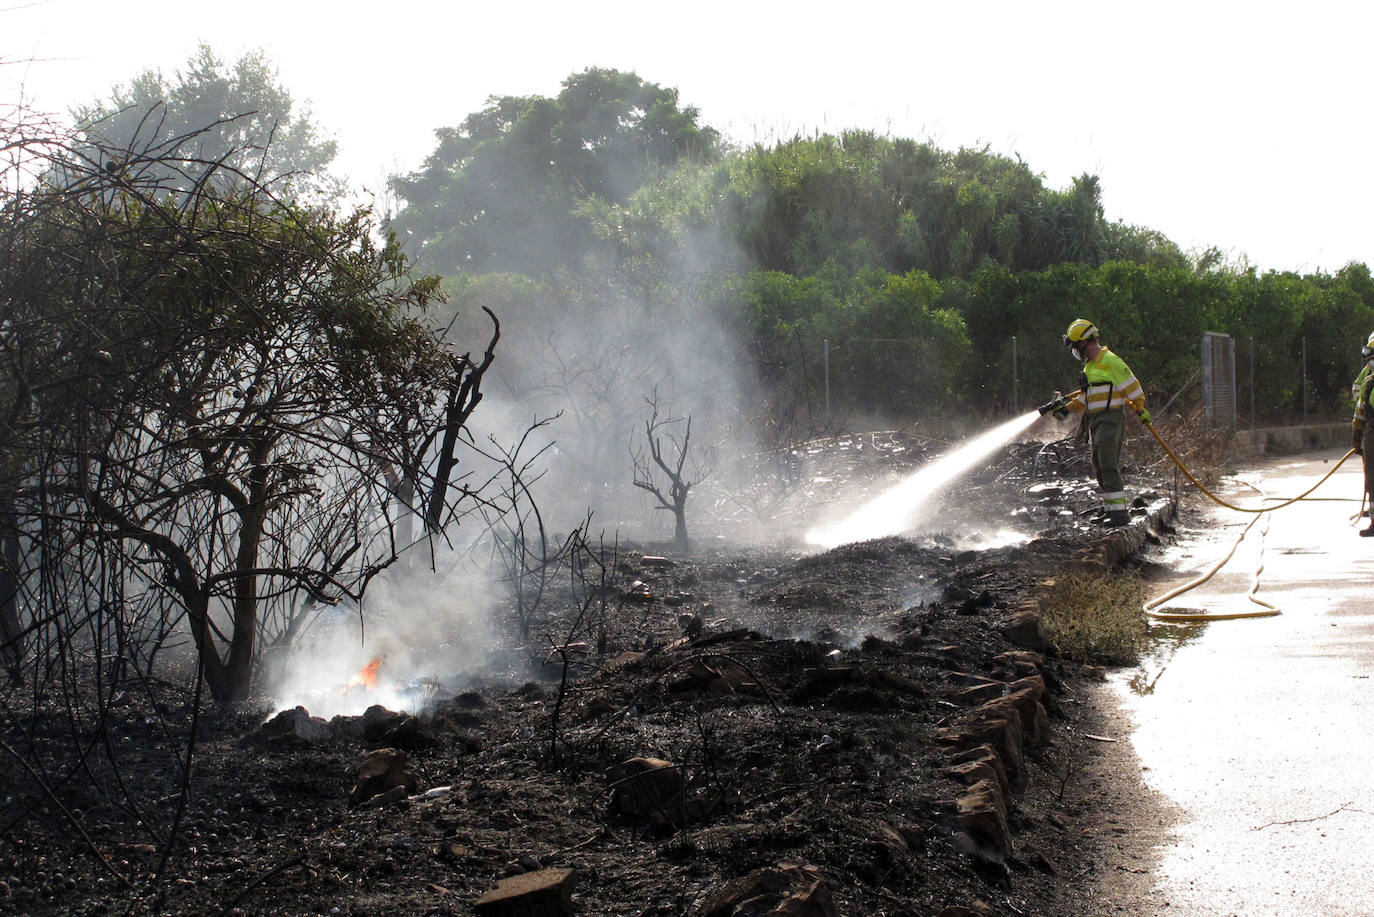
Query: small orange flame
<point>367,675</point>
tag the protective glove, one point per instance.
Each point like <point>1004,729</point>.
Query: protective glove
<point>1060,412</point>
<point>1144,416</point>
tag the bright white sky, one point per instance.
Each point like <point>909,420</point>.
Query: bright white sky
<point>1242,125</point>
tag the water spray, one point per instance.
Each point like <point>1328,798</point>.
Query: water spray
<point>894,510</point>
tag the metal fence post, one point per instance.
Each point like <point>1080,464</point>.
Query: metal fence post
<point>1219,377</point>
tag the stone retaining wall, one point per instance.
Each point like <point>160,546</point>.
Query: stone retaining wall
<point>1291,440</point>
<point>988,739</point>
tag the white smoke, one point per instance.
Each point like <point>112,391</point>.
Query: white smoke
<point>427,631</point>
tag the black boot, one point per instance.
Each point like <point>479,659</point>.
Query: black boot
<point>1369,532</point>
<point>1119,517</point>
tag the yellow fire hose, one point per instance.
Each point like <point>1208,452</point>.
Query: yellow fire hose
<point>1267,610</point>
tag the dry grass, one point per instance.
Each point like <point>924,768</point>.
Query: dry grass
<point>1096,617</point>
<point>1205,447</point>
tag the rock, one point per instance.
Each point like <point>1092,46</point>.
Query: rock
<point>542,893</point>
<point>389,798</point>
<point>382,770</point>
<point>1025,694</point>
<point>979,694</point>
<point>1023,662</point>
<point>786,889</point>
<point>379,725</point>
<point>1035,684</point>
<point>396,729</point>
<point>972,772</point>
<point>648,787</point>
<point>982,763</point>
<point>975,681</point>
<point>1026,630</point>
<point>654,560</point>
<point>294,727</point>
<point>812,901</point>
<point>454,852</point>
<point>982,814</point>
<point>996,723</point>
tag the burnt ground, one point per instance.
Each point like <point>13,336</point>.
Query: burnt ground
<point>808,704</point>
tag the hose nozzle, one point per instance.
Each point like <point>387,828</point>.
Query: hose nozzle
<point>1057,403</point>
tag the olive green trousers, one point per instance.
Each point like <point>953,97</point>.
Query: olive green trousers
<point>1106,434</point>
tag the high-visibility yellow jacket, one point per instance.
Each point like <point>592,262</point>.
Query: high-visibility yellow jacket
<point>1356,388</point>
<point>1108,383</point>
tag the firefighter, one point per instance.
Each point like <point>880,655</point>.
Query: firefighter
<point>1361,430</point>
<point>1107,388</point>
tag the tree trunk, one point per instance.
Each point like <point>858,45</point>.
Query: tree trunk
<point>238,665</point>
<point>11,638</point>
<point>680,528</point>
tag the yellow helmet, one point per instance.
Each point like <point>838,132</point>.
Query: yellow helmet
<point>1368,350</point>
<point>1080,330</point>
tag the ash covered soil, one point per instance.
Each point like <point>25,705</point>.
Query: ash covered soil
<point>786,715</point>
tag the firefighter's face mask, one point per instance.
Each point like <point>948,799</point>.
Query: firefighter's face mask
<point>1076,348</point>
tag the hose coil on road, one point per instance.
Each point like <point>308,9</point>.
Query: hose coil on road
<point>1267,610</point>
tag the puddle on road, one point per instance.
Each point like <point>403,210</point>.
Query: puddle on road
<point>1166,639</point>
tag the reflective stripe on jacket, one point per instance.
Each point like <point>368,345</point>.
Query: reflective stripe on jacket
<point>1109,384</point>
<point>1357,388</point>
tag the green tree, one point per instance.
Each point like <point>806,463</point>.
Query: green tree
<point>237,123</point>
<point>1143,246</point>
<point>499,191</point>
<point>1335,322</point>
<point>900,353</point>
<point>859,200</point>
<point>894,349</point>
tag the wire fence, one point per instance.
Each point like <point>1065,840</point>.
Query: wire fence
<point>1236,382</point>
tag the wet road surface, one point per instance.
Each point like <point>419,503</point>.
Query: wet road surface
<point>1259,734</point>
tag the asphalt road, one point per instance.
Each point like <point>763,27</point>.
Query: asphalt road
<point>1255,738</point>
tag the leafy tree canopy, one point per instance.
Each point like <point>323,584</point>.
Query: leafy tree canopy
<point>862,200</point>
<point>499,191</point>
<point>235,123</point>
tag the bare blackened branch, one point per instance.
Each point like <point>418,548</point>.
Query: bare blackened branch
<point>673,497</point>
<point>465,393</point>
